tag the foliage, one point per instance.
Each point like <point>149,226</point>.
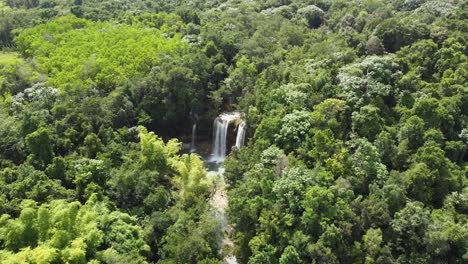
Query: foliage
<point>70,232</point>
<point>78,53</point>
<point>356,124</point>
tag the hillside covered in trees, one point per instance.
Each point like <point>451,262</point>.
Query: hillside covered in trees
<point>356,136</point>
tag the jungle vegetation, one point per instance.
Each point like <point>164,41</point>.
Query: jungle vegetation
<point>357,114</point>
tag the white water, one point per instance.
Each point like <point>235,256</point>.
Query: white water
<point>240,139</point>
<point>194,131</point>
<point>219,201</point>
<point>220,129</point>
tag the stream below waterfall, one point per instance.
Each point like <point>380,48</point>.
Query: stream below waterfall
<point>214,164</point>
<point>219,201</point>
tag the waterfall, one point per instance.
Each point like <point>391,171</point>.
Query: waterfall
<point>194,131</point>
<point>220,199</point>
<point>240,135</point>
<point>220,130</point>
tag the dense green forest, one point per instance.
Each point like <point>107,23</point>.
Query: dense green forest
<point>357,130</point>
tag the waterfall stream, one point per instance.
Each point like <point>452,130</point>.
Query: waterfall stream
<point>240,139</point>
<point>220,198</point>
<point>194,133</point>
<point>220,131</point>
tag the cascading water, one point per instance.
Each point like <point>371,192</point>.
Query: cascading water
<point>220,130</point>
<point>220,199</point>
<point>194,133</point>
<point>240,139</point>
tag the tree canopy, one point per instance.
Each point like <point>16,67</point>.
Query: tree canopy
<point>357,131</point>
